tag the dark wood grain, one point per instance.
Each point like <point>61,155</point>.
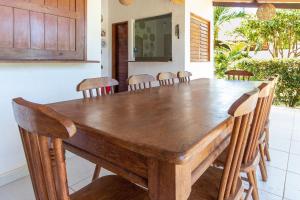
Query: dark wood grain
<point>151,122</point>
<point>122,56</point>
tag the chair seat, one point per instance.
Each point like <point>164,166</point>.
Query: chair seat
<point>208,186</point>
<point>110,188</point>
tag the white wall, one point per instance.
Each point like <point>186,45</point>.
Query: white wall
<point>181,47</point>
<point>204,9</point>
<point>145,8</point>
<point>42,83</point>
<point>105,50</point>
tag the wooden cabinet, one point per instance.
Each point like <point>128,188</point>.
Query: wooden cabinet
<point>42,29</point>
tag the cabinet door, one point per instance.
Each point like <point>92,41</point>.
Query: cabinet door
<point>42,29</point>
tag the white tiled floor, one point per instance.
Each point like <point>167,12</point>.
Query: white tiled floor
<point>284,169</point>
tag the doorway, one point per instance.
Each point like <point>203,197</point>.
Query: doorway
<point>120,55</point>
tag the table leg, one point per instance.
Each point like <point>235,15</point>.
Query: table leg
<point>168,181</point>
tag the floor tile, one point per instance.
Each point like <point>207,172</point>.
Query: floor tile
<point>281,132</point>
<point>18,190</point>
<point>294,164</point>
<point>268,196</point>
<point>292,188</point>
<point>295,147</point>
<point>297,120</point>
<point>79,169</point>
<point>82,183</point>
<point>275,183</point>
<point>296,135</point>
<point>279,159</point>
<point>279,143</point>
<point>88,180</point>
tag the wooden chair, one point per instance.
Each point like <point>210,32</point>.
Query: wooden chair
<point>252,157</point>
<point>184,76</point>
<point>264,138</point>
<point>166,78</point>
<point>139,82</point>
<point>239,75</point>
<point>225,184</point>
<point>97,87</point>
<point>43,131</point>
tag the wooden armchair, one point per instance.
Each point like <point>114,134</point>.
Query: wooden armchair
<point>43,131</point>
<point>252,158</point>
<point>139,82</point>
<point>184,76</point>
<point>97,87</point>
<point>239,75</point>
<point>166,78</point>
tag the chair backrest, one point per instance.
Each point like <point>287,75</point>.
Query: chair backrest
<point>184,76</point>
<point>274,81</point>
<point>102,86</point>
<point>166,78</point>
<point>42,131</point>
<point>242,112</point>
<point>258,123</point>
<point>238,75</point>
<point>139,82</point>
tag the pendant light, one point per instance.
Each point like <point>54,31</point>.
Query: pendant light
<point>178,1</point>
<point>126,2</point>
<point>266,11</point>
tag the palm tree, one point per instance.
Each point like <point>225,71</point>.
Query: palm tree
<point>222,15</point>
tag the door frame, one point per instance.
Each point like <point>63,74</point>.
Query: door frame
<point>113,44</point>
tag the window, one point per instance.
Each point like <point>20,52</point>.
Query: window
<point>42,30</point>
<point>153,38</point>
<point>200,39</point>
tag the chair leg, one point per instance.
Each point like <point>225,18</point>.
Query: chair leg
<point>262,164</point>
<point>253,184</point>
<point>96,172</point>
<point>267,153</point>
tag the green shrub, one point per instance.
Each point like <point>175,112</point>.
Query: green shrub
<point>288,88</point>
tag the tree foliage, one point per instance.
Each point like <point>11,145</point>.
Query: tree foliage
<point>281,34</point>
<point>288,88</point>
<point>223,15</point>
<point>226,54</point>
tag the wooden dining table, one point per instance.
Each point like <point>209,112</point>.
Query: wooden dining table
<point>160,138</point>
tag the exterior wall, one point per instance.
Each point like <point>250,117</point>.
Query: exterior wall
<point>42,83</point>
<point>204,9</point>
<point>142,9</point>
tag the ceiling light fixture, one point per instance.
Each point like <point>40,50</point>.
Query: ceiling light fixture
<point>126,2</point>
<point>266,11</point>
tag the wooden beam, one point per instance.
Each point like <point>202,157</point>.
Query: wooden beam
<point>231,3</point>
<point>234,1</point>
<point>278,1</point>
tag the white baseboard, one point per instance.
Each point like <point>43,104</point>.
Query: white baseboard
<point>13,175</point>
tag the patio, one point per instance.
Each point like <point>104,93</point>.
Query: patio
<point>284,171</point>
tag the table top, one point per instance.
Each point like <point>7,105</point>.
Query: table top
<point>166,121</point>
